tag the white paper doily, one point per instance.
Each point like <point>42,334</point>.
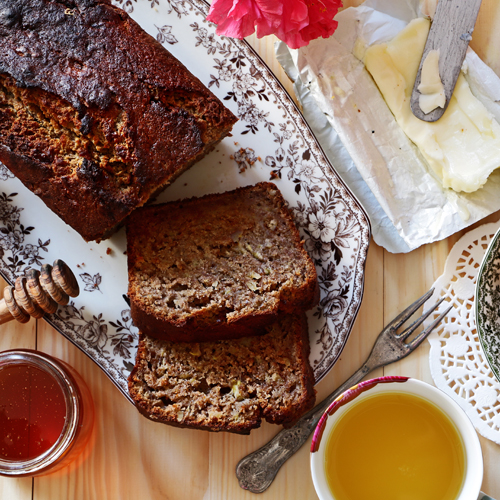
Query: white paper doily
<point>457,363</point>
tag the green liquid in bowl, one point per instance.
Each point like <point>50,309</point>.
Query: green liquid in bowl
<point>394,446</point>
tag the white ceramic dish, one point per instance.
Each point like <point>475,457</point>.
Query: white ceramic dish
<point>474,460</point>
<point>270,141</point>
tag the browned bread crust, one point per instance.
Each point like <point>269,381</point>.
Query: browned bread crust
<point>95,115</point>
<point>228,385</point>
<point>217,267</point>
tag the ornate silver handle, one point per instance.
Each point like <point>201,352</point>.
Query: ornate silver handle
<point>256,471</point>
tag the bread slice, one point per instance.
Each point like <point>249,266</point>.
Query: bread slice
<point>227,385</point>
<point>217,267</point>
<point>96,116</point>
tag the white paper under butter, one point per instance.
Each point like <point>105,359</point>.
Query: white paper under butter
<point>410,196</point>
<point>463,146</point>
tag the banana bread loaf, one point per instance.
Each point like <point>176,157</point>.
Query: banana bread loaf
<point>227,385</point>
<point>217,267</point>
<point>95,115</point>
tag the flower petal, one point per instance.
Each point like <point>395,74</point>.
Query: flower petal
<point>219,10</point>
<point>295,22</point>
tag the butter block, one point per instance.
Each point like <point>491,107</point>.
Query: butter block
<point>463,147</point>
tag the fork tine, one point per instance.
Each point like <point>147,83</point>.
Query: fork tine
<point>406,333</point>
<point>425,333</point>
<point>403,316</point>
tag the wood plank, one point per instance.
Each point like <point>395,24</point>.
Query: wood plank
<point>14,335</point>
<point>491,458</point>
<point>486,37</point>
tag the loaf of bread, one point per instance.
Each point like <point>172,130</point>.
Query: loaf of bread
<point>227,385</point>
<point>217,267</point>
<point>96,117</point>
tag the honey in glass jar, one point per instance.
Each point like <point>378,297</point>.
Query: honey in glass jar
<point>46,413</point>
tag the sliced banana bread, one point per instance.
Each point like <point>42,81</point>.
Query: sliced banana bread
<point>217,267</point>
<point>226,385</point>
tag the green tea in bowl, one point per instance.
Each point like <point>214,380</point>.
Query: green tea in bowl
<point>395,438</point>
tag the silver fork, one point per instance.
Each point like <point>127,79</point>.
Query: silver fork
<point>257,471</point>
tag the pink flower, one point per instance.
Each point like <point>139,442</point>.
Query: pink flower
<point>296,22</point>
<point>239,18</point>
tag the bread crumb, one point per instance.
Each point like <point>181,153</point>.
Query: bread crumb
<point>245,158</point>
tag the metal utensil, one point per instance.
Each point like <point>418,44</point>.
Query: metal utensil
<point>450,33</point>
<point>257,471</point>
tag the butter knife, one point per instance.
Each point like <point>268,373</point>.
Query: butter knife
<point>450,34</point>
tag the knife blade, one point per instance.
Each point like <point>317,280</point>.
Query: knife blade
<point>450,34</point>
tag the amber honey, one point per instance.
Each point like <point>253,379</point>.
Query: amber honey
<point>394,446</point>
<point>46,413</point>
<point>32,412</point>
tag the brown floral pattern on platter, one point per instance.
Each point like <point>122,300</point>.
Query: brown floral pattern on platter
<point>270,141</point>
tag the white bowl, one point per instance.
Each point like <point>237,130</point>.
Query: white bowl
<point>474,460</point>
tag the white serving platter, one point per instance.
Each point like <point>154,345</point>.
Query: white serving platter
<point>271,141</point>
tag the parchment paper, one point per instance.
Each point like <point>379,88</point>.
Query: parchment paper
<point>407,205</point>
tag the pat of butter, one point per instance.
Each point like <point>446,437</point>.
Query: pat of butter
<point>463,146</point>
<point>428,7</point>
<point>431,87</point>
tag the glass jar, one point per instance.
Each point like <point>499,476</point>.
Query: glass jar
<point>46,413</point>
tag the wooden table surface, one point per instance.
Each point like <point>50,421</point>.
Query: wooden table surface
<point>131,457</point>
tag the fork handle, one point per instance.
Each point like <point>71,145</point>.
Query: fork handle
<point>256,471</point>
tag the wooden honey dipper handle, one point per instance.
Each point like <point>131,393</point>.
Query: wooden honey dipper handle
<point>39,292</point>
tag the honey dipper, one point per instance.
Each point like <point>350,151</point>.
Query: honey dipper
<point>39,292</point>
